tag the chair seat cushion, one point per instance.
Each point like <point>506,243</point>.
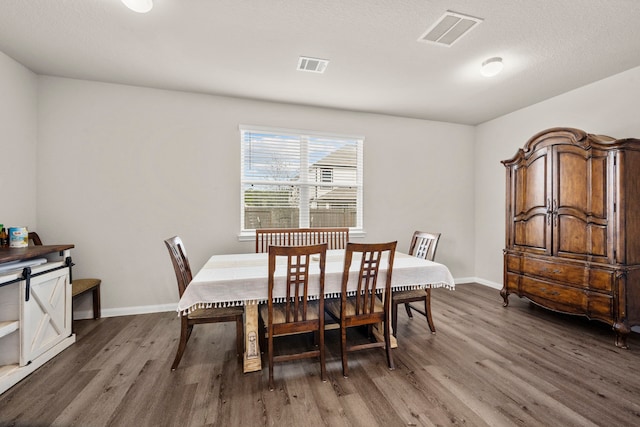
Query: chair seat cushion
<point>333,306</point>
<point>279,312</point>
<point>415,294</point>
<point>79,286</point>
<point>209,313</point>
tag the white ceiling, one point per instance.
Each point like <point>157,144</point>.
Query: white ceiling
<point>250,48</point>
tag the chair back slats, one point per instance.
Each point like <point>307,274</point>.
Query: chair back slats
<point>297,283</point>
<point>297,278</point>
<point>180,262</point>
<point>424,245</point>
<point>370,263</point>
<point>334,237</point>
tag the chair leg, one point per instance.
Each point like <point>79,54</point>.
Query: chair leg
<point>270,356</point>
<point>408,308</point>
<point>427,310</point>
<point>262,329</point>
<point>96,302</point>
<point>239,337</point>
<point>343,350</point>
<point>323,372</point>
<point>370,335</point>
<point>387,344</point>
<point>394,317</point>
<point>185,333</point>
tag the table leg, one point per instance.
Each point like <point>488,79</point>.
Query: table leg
<point>379,334</point>
<point>252,360</point>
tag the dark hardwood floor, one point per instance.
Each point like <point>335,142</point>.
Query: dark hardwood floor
<point>486,366</point>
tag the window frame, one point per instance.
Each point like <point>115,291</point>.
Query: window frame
<point>358,230</point>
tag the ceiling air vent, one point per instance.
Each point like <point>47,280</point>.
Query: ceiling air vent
<point>314,65</point>
<point>450,28</point>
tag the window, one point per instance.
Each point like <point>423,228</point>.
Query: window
<point>298,179</point>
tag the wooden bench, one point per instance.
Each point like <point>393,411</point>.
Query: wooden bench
<point>78,286</point>
<point>335,237</point>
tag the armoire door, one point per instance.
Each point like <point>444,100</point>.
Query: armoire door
<point>530,200</point>
<point>579,203</point>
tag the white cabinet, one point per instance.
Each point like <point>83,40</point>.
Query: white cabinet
<point>44,318</point>
<point>35,314</point>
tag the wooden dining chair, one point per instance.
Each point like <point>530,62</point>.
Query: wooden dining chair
<point>197,316</point>
<point>78,286</point>
<point>423,245</point>
<point>362,306</point>
<point>295,314</point>
<point>334,237</point>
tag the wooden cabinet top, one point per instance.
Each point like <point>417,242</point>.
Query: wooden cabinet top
<point>19,254</point>
<point>572,136</point>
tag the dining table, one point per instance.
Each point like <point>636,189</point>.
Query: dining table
<point>228,280</point>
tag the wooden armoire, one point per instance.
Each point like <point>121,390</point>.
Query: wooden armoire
<point>573,226</point>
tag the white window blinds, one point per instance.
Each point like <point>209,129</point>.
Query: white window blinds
<point>296,179</point>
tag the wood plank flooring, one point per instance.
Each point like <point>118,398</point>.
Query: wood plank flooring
<point>486,366</point>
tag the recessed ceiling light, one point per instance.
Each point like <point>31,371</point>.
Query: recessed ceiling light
<point>314,65</point>
<point>491,66</point>
<point>140,6</point>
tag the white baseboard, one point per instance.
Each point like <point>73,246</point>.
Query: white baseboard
<point>463,280</point>
<point>127,311</point>
<point>488,283</point>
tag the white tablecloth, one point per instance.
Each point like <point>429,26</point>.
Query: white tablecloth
<point>239,279</point>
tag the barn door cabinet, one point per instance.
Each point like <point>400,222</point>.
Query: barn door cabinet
<point>573,226</point>
<point>35,309</point>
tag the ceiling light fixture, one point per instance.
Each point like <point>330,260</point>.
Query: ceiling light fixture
<point>140,6</point>
<point>491,66</point>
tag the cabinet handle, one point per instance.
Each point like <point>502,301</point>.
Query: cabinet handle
<point>549,211</point>
<point>549,292</point>
<point>26,275</point>
<point>555,213</point>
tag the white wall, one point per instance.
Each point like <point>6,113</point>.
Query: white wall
<point>608,107</point>
<point>18,138</point>
<point>122,168</point>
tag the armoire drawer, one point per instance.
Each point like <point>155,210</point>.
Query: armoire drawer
<point>567,299</point>
<point>560,297</point>
<point>602,280</point>
<point>571,274</point>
